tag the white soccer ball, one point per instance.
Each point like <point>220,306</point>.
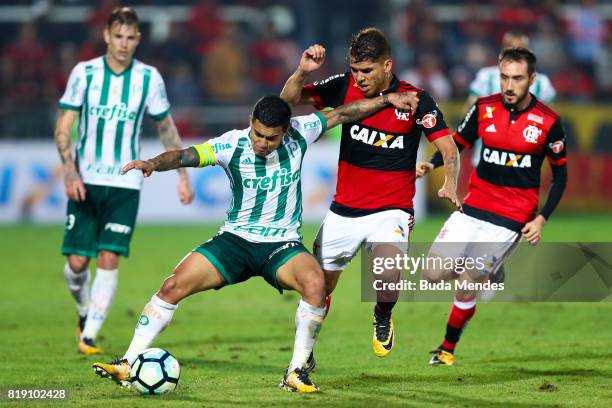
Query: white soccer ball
<point>155,372</point>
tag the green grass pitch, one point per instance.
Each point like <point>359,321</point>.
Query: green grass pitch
<point>234,344</point>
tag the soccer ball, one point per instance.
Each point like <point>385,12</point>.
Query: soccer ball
<point>155,372</point>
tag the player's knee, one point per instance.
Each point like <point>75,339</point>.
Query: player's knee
<point>78,263</point>
<point>171,290</point>
<point>108,260</point>
<point>435,271</point>
<point>313,289</point>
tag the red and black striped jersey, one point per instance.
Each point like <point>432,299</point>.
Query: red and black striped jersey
<point>376,167</point>
<point>504,187</point>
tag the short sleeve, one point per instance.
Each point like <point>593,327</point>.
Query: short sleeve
<point>467,132</point>
<point>311,127</point>
<point>329,92</point>
<point>158,105</point>
<point>74,94</point>
<point>429,118</point>
<point>219,150</point>
<point>555,144</point>
<point>547,90</point>
<point>480,85</point>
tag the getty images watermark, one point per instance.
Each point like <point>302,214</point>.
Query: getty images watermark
<point>560,272</point>
<point>383,265</point>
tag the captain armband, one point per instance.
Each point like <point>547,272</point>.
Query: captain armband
<point>206,154</point>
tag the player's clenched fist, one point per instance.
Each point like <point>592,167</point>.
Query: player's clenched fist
<point>145,166</point>
<point>312,58</point>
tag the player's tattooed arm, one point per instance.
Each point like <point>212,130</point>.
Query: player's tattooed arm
<point>450,155</point>
<point>169,136</point>
<point>170,160</point>
<point>357,110</point>
<point>75,189</point>
<point>168,133</point>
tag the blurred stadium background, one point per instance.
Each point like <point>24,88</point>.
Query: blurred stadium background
<point>218,57</point>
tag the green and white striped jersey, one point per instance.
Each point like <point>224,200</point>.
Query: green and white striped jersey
<point>112,108</point>
<point>487,83</point>
<point>266,191</point>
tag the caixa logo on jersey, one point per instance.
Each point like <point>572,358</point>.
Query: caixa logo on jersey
<point>376,138</point>
<point>506,159</point>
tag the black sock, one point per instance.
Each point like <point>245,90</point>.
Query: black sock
<point>384,308</point>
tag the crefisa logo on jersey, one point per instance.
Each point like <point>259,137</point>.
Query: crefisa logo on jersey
<point>428,121</point>
<point>531,134</point>
<point>118,111</point>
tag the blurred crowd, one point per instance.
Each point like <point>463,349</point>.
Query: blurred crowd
<point>213,58</point>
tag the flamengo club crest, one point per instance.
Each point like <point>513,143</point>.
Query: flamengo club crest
<point>531,134</point>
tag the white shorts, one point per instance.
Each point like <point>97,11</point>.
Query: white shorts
<point>339,237</point>
<point>463,236</point>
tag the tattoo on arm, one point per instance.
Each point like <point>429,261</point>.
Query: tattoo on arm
<point>189,157</point>
<point>62,141</point>
<point>174,159</point>
<point>355,110</point>
<point>166,161</point>
<point>168,134</point>
<point>451,166</point>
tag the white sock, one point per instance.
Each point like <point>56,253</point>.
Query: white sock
<point>308,320</point>
<point>102,295</point>
<point>155,317</point>
<point>78,284</point>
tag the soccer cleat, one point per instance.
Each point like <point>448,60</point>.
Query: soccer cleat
<point>441,357</point>
<point>87,346</point>
<point>298,380</point>
<point>382,341</point>
<point>118,371</point>
<point>311,363</point>
<point>80,325</point>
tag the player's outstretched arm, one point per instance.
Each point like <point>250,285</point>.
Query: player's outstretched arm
<point>356,110</point>
<point>75,189</point>
<point>169,136</point>
<point>293,92</point>
<point>450,156</point>
<point>170,160</point>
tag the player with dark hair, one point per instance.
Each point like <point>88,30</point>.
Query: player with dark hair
<point>261,235</point>
<point>111,93</point>
<point>517,132</point>
<point>376,169</point>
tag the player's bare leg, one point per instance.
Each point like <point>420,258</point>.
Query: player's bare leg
<point>194,274</point>
<point>303,274</point>
<point>436,270</point>
<point>77,275</point>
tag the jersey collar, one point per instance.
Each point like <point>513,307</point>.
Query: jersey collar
<point>393,86</point>
<point>533,102</point>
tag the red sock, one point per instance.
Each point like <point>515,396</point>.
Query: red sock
<point>457,320</point>
<point>327,304</point>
